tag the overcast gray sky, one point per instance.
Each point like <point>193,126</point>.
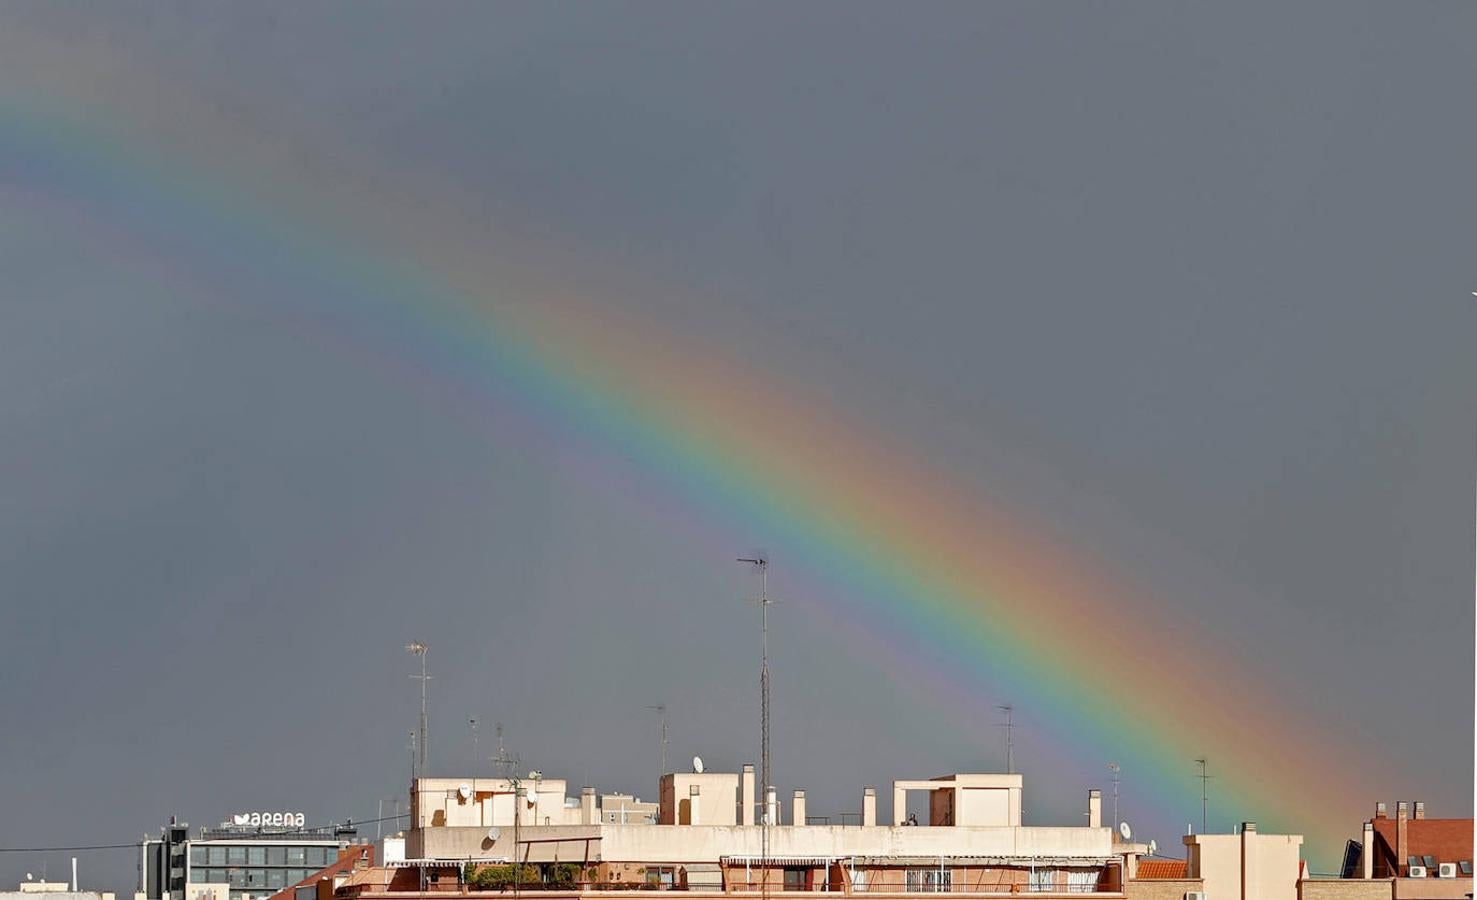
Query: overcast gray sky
<point>1187,285</point>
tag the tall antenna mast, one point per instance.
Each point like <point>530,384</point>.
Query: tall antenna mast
<point>1009,726</point>
<point>661,710</point>
<point>419,649</point>
<point>1115,769</point>
<point>762,562</point>
<point>1204,780</point>
<point>476,764</point>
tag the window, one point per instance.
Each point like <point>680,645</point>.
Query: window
<point>236,856</point>
<point>929,880</point>
<point>197,875</point>
<point>237,877</point>
<point>277,856</point>
<point>662,877</point>
<point>217,876</point>
<point>795,878</point>
<point>276,878</point>
<point>217,855</point>
<point>295,856</point>
<point>296,875</point>
<point>317,857</point>
<point>256,856</point>
<point>198,856</point>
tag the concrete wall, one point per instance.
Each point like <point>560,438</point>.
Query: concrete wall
<point>436,802</point>
<point>717,792</point>
<point>1162,888</point>
<point>1432,888</point>
<point>1246,866</point>
<point>678,843</point>
<point>1345,889</point>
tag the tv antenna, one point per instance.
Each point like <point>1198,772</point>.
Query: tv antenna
<point>506,765</point>
<point>761,560</point>
<point>1009,726</point>
<point>419,649</point>
<point>1115,769</point>
<point>1204,782</point>
<point>661,710</point>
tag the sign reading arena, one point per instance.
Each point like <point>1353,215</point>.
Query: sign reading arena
<point>270,819</point>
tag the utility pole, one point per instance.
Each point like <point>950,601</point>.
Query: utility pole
<point>419,649</point>
<point>661,710</point>
<point>1115,769</point>
<point>1009,726</point>
<point>1204,779</point>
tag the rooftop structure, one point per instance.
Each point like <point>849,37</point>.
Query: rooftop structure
<point>710,837</point>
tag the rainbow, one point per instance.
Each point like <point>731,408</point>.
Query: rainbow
<point>887,544</point>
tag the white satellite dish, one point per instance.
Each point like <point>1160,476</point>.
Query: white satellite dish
<point>1153,847</point>
<point>494,833</point>
<point>531,797</point>
<point>465,791</point>
<point>1124,830</point>
<point>697,764</point>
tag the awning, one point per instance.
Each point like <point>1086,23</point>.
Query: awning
<point>1023,862</point>
<point>763,861</point>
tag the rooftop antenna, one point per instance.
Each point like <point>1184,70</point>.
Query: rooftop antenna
<point>419,649</point>
<point>507,766</point>
<point>1204,780</point>
<point>1009,726</point>
<point>1115,769</point>
<point>762,561</point>
<point>412,757</point>
<point>661,710</point>
<point>476,764</point>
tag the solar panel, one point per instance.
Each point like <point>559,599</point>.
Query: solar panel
<point>1430,862</point>
<point>1466,866</point>
<point>1412,860</point>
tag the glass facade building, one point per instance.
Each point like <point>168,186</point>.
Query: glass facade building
<point>254,862</point>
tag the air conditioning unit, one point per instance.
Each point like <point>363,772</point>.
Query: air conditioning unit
<point>1417,872</point>
<point>1446,870</point>
<point>1194,895</point>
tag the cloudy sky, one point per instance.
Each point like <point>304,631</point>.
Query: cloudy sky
<point>1179,296</point>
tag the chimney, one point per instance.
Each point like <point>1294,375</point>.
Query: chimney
<point>747,799</point>
<point>797,814</point>
<point>1366,853</point>
<point>772,806</point>
<point>869,806</point>
<point>1250,870</point>
<point>1402,838</point>
<point>587,806</point>
<point>1381,811</point>
<point>1420,809</point>
<point>1094,809</point>
<point>693,796</point>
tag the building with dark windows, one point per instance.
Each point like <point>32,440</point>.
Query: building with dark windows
<point>247,861</point>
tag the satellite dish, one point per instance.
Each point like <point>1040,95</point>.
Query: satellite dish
<point>494,833</point>
<point>1124,830</point>
<point>531,797</point>
<point>697,764</point>
<point>536,775</point>
<point>1153,847</point>
<point>465,791</point>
